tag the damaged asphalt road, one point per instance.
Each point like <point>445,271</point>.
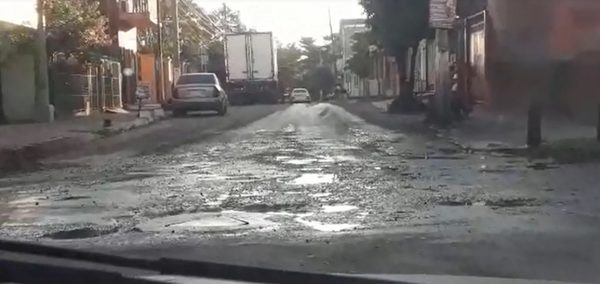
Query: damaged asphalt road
<point>313,187</point>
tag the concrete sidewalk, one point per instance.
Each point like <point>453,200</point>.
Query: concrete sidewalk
<point>488,131</point>
<point>485,130</point>
<point>23,145</point>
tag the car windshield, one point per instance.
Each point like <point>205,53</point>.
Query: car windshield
<point>444,137</point>
<point>196,79</point>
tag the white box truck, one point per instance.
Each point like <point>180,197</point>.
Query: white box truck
<point>251,66</point>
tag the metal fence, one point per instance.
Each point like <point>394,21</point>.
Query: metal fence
<point>98,88</point>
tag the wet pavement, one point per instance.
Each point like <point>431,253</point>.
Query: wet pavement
<point>304,176</point>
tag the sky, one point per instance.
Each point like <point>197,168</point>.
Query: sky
<point>18,12</point>
<point>289,20</point>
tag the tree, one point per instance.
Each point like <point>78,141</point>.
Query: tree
<point>359,63</point>
<point>228,20</point>
<point>314,64</point>
<point>216,60</point>
<point>287,61</point>
<point>76,27</point>
<point>399,25</point>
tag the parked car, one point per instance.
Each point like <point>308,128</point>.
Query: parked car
<point>300,95</point>
<point>196,92</point>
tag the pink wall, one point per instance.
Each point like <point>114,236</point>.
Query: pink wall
<point>527,39</point>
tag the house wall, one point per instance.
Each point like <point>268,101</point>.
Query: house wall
<point>18,88</point>
<point>549,47</point>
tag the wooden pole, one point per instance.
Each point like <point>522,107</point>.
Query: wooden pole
<point>598,125</point>
<point>534,123</point>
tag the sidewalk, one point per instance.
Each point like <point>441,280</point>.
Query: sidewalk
<point>23,145</point>
<point>487,131</point>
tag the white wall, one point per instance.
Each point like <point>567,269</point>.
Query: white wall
<point>18,88</point>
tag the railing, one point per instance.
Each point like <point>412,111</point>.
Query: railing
<point>134,6</point>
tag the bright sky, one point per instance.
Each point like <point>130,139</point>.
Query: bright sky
<point>18,11</point>
<point>289,20</point>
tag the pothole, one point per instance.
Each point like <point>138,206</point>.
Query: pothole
<point>72,197</point>
<point>80,233</point>
<point>512,202</point>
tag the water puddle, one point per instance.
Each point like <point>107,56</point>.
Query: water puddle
<point>214,222</point>
<point>324,227</point>
<point>207,222</point>
<point>338,208</point>
<point>319,195</point>
<point>300,162</point>
<point>312,178</point>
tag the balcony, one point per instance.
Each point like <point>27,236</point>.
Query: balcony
<point>140,14</point>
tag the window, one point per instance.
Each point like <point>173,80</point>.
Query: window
<point>196,79</point>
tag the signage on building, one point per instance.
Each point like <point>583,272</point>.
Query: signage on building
<point>442,14</point>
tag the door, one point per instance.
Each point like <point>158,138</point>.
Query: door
<point>262,56</point>
<point>236,54</point>
<point>476,49</point>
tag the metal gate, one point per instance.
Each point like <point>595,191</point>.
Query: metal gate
<point>99,88</point>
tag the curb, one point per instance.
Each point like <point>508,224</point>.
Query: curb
<point>28,157</point>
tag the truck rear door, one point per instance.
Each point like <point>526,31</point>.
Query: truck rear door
<point>262,56</point>
<point>237,57</point>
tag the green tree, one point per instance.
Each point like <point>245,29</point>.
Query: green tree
<point>314,66</point>
<point>76,27</point>
<point>287,60</point>
<point>399,25</point>
<point>228,20</point>
<point>359,63</point>
<point>216,60</point>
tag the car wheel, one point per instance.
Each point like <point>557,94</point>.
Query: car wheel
<point>223,109</point>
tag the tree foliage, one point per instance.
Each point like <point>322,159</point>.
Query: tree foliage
<point>398,24</point>
<point>76,27</point>
<point>359,63</point>
<point>228,20</point>
<point>314,66</point>
<point>287,60</point>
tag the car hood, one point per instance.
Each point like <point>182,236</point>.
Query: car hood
<point>400,278</point>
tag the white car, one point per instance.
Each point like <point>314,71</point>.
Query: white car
<point>300,95</point>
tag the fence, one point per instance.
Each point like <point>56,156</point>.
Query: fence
<point>96,88</point>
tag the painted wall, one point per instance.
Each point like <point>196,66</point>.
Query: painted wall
<point>18,88</point>
<point>549,47</point>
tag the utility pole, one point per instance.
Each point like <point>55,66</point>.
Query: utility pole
<point>333,47</point>
<point>161,77</point>
<point>177,39</point>
<point>43,110</point>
